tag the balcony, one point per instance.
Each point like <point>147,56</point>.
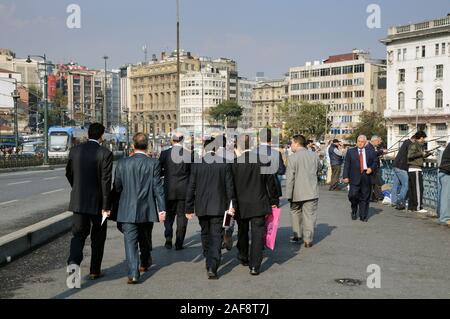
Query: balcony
<point>427,25</point>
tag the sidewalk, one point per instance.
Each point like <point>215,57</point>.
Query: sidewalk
<point>412,252</point>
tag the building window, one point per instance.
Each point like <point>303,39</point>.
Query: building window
<point>347,69</point>
<point>443,48</point>
<point>419,100</point>
<point>419,76</point>
<point>401,75</point>
<point>401,101</point>
<point>399,54</point>
<point>423,51</point>
<point>437,49</point>
<point>439,71</point>
<point>417,52</point>
<point>439,98</point>
<point>336,71</point>
<point>404,54</point>
<point>441,127</point>
<point>359,68</point>
<point>403,129</point>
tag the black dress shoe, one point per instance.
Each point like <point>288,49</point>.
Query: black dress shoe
<point>179,247</point>
<point>400,207</point>
<point>254,271</point>
<point>212,275</point>
<point>243,262</point>
<point>168,244</point>
<point>364,220</point>
<point>354,217</point>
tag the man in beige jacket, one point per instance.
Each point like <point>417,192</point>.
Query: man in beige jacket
<point>302,190</point>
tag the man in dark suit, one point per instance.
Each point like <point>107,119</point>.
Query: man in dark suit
<point>256,195</point>
<point>209,194</point>
<point>274,157</point>
<point>176,168</point>
<point>89,172</point>
<point>138,180</point>
<point>360,163</point>
<point>375,146</point>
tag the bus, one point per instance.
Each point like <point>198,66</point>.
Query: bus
<point>62,139</point>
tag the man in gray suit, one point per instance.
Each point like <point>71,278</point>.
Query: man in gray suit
<point>302,190</point>
<point>138,180</point>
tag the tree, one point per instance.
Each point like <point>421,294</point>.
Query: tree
<point>304,118</point>
<point>371,123</point>
<point>227,112</point>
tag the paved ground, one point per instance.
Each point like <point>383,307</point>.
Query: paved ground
<point>411,250</point>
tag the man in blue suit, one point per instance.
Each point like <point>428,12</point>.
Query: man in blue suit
<point>360,163</point>
<point>142,203</point>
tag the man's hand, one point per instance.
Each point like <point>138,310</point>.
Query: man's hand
<point>369,171</point>
<point>189,216</point>
<point>106,213</point>
<point>231,211</point>
<point>346,180</point>
<point>162,216</point>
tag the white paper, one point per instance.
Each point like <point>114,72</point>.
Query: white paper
<point>104,218</point>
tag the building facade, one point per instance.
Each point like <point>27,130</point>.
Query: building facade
<point>199,92</point>
<point>348,84</point>
<point>267,98</point>
<point>244,99</point>
<point>113,100</point>
<point>153,92</point>
<point>418,78</point>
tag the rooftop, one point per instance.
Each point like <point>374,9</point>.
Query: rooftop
<point>414,30</point>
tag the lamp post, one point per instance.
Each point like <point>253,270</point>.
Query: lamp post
<point>417,99</point>
<point>178,64</point>
<point>127,112</point>
<point>16,96</point>
<point>104,109</point>
<point>45,104</point>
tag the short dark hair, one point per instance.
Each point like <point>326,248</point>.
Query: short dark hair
<point>336,141</point>
<point>420,134</point>
<point>265,135</point>
<point>140,141</point>
<point>95,131</point>
<point>300,139</point>
<point>208,141</point>
<point>309,142</point>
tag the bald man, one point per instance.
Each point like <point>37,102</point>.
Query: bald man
<point>360,163</point>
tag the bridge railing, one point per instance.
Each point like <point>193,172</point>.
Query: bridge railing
<point>430,181</point>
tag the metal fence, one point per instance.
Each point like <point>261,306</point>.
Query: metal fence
<point>19,161</point>
<point>430,181</point>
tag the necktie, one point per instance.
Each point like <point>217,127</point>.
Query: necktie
<point>361,161</point>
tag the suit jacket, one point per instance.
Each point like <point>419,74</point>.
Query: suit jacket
<point>210,187</point>
<point>89,172</point>
<point>255,192</point>
<point>352,166</point>
<point>301,177</point>
<point>138,180</point>
<point>267,152</point>
<point>176,169</point>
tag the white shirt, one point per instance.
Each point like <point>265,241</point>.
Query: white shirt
<point>140,152</point>
<point>364,157</point>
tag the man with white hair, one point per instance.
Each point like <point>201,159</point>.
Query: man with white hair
<point>359,165</point>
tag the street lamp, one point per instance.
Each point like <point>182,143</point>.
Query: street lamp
<point>127,112</point>
<point>417,99</point>
<point>45,104</point>
<point>104,117</point>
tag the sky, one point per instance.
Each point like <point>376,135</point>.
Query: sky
<point>261,35</point>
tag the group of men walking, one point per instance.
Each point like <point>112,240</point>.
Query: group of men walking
<point>244,183</point>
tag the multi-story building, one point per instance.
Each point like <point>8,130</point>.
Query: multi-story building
<point>267,98</point>
<point>113,81</point>
<point>29,71</point>
<point>228,65</point>
<point>418,78</point>
<point>348,84</point>
<point>244,99</point>
<point>199,92</point>
<point>83,91</point>
<point>153,91</point>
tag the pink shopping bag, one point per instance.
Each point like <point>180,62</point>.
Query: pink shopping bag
<point>272,221</point>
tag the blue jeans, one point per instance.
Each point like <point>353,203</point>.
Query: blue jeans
<point>444,197</point>
<point>399,187</point>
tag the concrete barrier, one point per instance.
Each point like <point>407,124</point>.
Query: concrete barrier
<point>25,239</point>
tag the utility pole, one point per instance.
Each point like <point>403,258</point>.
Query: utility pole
<point>104,107</point>
<point>15,96</point>
<point>178,63</point>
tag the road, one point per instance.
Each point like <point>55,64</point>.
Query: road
<point>31,196</point>
<point>411,251</point>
